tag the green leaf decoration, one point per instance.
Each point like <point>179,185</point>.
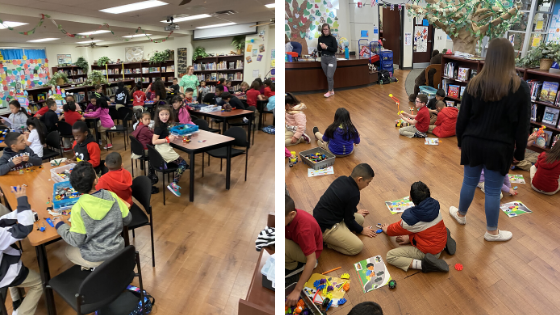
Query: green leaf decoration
<point>287,28</point>
<point>290,20</point>
<point>289,1</point>
<point>300,24</point>
<point>329,21</point>
<point>305,13</point>
<point>311,27</point>
<point>302,34</point>
<point>317,13</point>
<point>309,5</point>
<point>335,24</point>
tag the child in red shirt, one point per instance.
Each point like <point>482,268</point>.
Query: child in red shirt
<point>70,114</point>
<point>267,90</point>
<point>545,174</point>
<point>304,244</point>
<point>138,98</point>
<point>85,147</point>
<point>118,179</point>
<point>419,123</point>
<point>142,132</point>
<point>253,94</point>
<point>446,121</point>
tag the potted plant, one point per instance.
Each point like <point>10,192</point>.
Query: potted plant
<point>239,43</point>
<point>82,63</point>
<point>160,57</point>
<point>103,61</point>
<point>199,52</point>
<point>543,56</point>
<point>58,78</point>
<point>94,77</point>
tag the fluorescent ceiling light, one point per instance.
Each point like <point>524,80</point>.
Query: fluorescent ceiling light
<point>89,41</point>
<point>94,32</point>
<point>7,24</point>
<point>270,5</point>
<point>188,18</point>
<point>134,6</point>
<point>216,25</point>
<point>42,40</point>
<point>139,35</point>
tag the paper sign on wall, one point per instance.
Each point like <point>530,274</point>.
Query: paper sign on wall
<point>364,34</point>
<point>539,26</point>
<point>407,39</point>
<point>249,48</point>
<point>255,52</point>
<point>255,74</point>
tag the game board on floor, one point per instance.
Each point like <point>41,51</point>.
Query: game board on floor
<point>318,297</point>
<point>324,171</point>
<point>399,205</point>
<point>516,179</point>
<point>515,208</point>
<point>431,141</point>
<point>372,273</point>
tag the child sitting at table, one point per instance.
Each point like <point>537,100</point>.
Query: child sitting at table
<point>138,99</point>
<point>272,100</point>
<point>118,179</point>
<point>35,136</point>
<point>340,137</point>
<point>180,111</point>
<point>233,101</point>
<point>99,93</point>
<point>267,91</point>
<point>295,121</point>
<point>105,121</point>
<point>84,146</point>
<point>189,96</point>
<point>92,106</point>
<point>253,94</point>
<point>244,87</point>
<point>161,140</point>
<point>50,119</point>
<point>202,91</point>
<point>17,155</point>
<point>18,116</point>
<point>70,116</point>
<point>16,226</point>
<point>143,133</point>
<point>222,82</point>
<point>97,221</point>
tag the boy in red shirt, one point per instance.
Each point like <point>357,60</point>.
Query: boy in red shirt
<point>85,148</point>
<point>117,180</point>
<point>267,90</point>
<point>420,236</point>
<point>446,121</point>
<point>545,174</point>
<point>420,122</point>
<point>304,244</point>
<point>253,94</point>
<point>138,99</point>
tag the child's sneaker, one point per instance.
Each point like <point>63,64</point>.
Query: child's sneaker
<point>174,189</point>
<point>306,138</point>
<point>430,263</point>
<point>245,120</point>
<point>66,150</point>
<point>501,237</point>
<point>315,130</point>
<point>451,245</point>
<point>108,146</point>
<point>454,213</point>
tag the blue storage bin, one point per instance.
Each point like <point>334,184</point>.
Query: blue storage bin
<point>428,90</point>
<point>386,55</point>
<point>64,203</point>
<point>197,106</point>
<point>184,129</point>
<point>385,65</point>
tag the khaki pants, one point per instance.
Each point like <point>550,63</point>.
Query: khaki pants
<point>325,145</point>
<point>73,254</point>
<point>341,239</point>
<point>101,130</point>
<point>294,254</point>
<point>530,159</point>
<point>288,137</point>
<point>431,128</point>
<point>532,173</point>
<point>119,106</point>
<point>402,256</point>
<point>409,131</point>
<point>433,119</point>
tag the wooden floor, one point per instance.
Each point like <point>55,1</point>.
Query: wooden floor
<point>205,251</point>
<point>521,276</point>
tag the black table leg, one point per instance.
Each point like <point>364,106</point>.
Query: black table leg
<point>224,123</point>
<point>45,277</point>
<point>191,160</point>
<point>228,166</point>
<point>250,126</point>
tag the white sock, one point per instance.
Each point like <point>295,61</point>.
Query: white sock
<point>417,264</point>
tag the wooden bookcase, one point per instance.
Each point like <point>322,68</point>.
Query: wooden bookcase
<point>222,73</point>
<point>145,77</point>
<point>75,74</point>
<point>525,73</point>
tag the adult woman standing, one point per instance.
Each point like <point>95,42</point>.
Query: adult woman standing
<point>492,130</point>
<point>327,46</point>
<point>190,80</point>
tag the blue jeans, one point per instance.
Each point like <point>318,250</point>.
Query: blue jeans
<point>492,186</point>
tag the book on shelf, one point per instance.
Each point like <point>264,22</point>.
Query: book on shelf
<point>533,112</point>
<point>232,65</point>
<point>463,88</point>
<point>145,70</point>
<point>555,139</point>
<point>535,88</point>
<point>80,97</point>
<point>169,79</point>
<point>453,91</point>
<point>222,65</point>
<point>163,69</point>
<point>463,74</point>
<point>548,92</point>
<point>450,103</point>
<point>171,68</point>
<point>239,64</point>
<point>474,72</point>
<point>450,70</point>
<point>551,116</point>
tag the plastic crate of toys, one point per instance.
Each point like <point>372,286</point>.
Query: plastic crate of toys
<point>62,174</point>
<point>304,305</point>
<point>183,129</point>
<point>64,196</point>
<point>317,158</point>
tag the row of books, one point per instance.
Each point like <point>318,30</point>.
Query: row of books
<point>550,115</point>
<point>222,65</point>
<point>204,66</point>
<point>451,70</point>
<point>76,80</point>
<point>158,69</point>
<point>133,71</point>
<point>452,90</point>
<point>151,80</point>
<point>546,92</point>
<point>214,76</point>
<point>72,72</point>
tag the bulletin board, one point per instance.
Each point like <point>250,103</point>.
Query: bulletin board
<point>554,28</point>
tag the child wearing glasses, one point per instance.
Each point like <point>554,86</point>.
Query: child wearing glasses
<point>420,122</point>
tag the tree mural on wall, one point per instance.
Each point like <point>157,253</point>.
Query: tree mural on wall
<point>468,21</point>
<point>303,21</point>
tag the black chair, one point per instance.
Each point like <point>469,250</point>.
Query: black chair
<point>240,141</point>
<point>241,124</point>
<point>122,112</point>
<point>142,191</point>
<point>101,169</point>
<point>89,291</point>
<point>65,130</point>
<point>138,149</point>
<point>158,165</point>
<point>120,128</point>
<point>53,142</point>
<point>203,124</point>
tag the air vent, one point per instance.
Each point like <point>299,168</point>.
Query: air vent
<point>226,12</point>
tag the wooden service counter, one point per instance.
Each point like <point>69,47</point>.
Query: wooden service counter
<point>309,76</point>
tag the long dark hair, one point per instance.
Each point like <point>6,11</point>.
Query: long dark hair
<point>554,154</point>
<point>342,120</point>
<point>101,102</point>
<point>69,106</point>
<point>159,89</point>
<point>37,125</point>
<point>16,104</point>
<point>177,99</point>
<point>291,99</point>
<point>161,108</point>
<point>498,75</point>
<point>323,26</point>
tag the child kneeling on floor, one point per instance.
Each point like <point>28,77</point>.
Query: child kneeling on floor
<point>506,187</point>
<point>545,174</point>
<point>446,121</point>
<point>97,221</point>
<point>340,136</point>
<point>420,122</point>
<point>295,121</point>
<point>420,236</point>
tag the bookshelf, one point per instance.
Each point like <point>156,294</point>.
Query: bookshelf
<point>538,106</point>
<point>142,73</point>
<point>210,69</point>
<point>76,75</point>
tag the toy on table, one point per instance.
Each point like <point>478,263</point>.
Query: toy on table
<point>187,139</point>
<point>41,227</point>
<point>65,174</point>
<point>293,159</point>
<point>49,221</point>
<point>317,157</point>
<point>63,193</point>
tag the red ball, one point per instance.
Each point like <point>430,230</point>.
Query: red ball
<point>459,267</point>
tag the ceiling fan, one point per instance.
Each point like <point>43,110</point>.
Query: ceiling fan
<point>91,45</point>
<point>263,24</point>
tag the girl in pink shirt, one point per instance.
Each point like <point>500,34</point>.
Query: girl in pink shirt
<point>180,110</point>
<point>105,121</point>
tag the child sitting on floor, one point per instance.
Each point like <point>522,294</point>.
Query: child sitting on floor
<point>432,105</point>
<point>506,187</point>
<point>530,155</point>
<point>84,146</point>
<point>295,121</point>
<point>366,308</point>
<point>17,155</point>
<point>420,122</point>
<point>420,236</point>
<point>446,120</point>
<point>35,137</point>
<point>545,174</point>
<point>97,221</point>
<point>118,179</point>
<point>340,136</point>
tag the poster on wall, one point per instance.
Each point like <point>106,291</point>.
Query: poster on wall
<point>18,75</point>
<point>255,52</point>
<point>420,39</point>
<point>64,60</point>
<point>261,48</point>
<point>554,28</point>
<point>134,54</point>
<point>407,39</point>
<point>181,61</point>
<point>304,19</point>
<point>259,57</point>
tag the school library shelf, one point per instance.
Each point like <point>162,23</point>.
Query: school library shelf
<point>211,69</point>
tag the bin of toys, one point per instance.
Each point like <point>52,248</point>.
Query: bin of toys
<point>64,196</point>
<point>62,174</point>
<point>304,306</point>
<point>197,106</point>
<point>317,158</point>
<point>183,129</point>
<point>429,91</point>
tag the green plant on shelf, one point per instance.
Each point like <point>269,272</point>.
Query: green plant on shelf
<point>94,77</point>
<point>103,61</point>
<point>199,52</point>
<point>542,51</point>
<point>160,57</point>
<point>239,43</point>
<point>82,63</point>
<point>58,78</point>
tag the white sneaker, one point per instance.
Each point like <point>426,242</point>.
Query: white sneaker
<point>501,237</point>
<point>306,138</point>
<point>454,213</point>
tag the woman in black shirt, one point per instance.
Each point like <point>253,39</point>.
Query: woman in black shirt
<point>327,46</point>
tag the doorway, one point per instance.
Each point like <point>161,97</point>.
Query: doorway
<point>423,44</point>
<point>390,32</point>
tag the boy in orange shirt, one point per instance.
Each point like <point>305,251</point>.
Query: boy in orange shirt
<point>118,179</point>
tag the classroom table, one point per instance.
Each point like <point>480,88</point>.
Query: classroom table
<point>39,189</point>
<point>236,113</point>
<point>210,141</point>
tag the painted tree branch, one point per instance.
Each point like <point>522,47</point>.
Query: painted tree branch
<point>495,22</point>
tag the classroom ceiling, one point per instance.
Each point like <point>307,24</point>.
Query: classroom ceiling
<point>84,15</point>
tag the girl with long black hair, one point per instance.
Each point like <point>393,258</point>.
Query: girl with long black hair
<point>340,137</point>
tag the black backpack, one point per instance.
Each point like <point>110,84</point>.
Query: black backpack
<point>384,77</point>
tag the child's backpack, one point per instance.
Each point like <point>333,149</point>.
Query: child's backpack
<point>149,301</point>
<point>384,77</point>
